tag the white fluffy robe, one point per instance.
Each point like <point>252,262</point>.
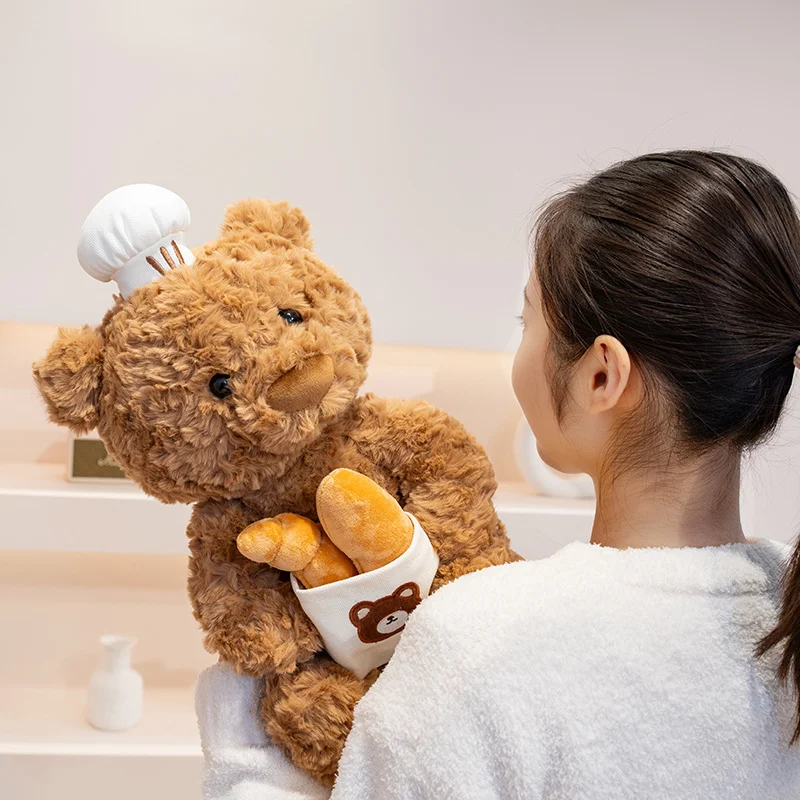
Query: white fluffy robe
<point>590,675</point>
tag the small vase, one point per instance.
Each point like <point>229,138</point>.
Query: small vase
<point>115,690</point>
<point>544,479</point>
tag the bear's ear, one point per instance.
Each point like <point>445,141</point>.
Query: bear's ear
<point>407,590</point>
<point>69,378</point>
<point>262,217</point>
<point>359,611</point>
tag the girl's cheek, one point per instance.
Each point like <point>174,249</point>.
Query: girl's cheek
<point>533,394</point>
<point>518,376</point>
<point>528,382</point>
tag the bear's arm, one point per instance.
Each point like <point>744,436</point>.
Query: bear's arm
<point>445,479</point>
<point>250,616</point>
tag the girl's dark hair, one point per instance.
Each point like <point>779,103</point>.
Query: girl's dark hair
<point>692,260</point>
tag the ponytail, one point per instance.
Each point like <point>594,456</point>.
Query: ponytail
<point>787,631</point>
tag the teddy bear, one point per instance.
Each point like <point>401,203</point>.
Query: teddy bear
<point>379,619</point>
<point>228,377</point>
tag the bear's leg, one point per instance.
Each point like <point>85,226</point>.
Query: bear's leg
<point>309,713</point>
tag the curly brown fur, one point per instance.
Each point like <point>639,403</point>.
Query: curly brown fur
<point>69,378</point>
<point>142,377</point>
<point>309,713</point>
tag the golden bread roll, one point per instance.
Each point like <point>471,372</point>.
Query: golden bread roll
<point>328,565</point>
<point>363,520</point>
<point>293,543</point>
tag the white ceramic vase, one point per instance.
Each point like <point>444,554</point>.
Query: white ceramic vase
<point>546,480</point>
<point>116,691</point>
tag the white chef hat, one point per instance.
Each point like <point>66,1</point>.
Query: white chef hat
<point>134,235</point>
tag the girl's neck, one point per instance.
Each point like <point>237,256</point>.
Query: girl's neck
<point>691,504</point>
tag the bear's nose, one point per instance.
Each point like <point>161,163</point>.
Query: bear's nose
<point>303,386</point>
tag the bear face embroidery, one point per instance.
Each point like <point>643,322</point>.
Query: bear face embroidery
<point>386,616</point>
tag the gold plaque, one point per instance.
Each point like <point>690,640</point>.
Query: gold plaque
<point>89,460</point>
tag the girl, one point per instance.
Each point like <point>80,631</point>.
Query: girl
<point>661,320</point>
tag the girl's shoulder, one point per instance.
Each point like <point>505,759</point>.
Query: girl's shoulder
<point>589,586</point>
<point>498,595</point>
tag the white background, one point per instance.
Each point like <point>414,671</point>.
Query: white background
<point>418,136</point>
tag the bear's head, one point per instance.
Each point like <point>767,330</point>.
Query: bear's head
<point>210,381</point>
<point>381,619</point>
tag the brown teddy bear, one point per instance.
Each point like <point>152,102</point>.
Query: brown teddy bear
<point>393,610</point>
<point>228,377</point>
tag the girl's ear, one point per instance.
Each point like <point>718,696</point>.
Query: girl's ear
<point>69,378</point>
<point>608,366</point>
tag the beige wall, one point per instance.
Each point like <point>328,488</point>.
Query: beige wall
<point>417,135</point>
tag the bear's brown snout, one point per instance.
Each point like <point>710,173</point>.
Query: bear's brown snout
<point>303,386</point>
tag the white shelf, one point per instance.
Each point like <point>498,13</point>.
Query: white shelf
<point>41,510</point>
<point>538,526</point>
<point>50,721</point>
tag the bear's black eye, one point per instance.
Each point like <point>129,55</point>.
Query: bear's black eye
<point>218,386</point>
<point>290,315</point>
